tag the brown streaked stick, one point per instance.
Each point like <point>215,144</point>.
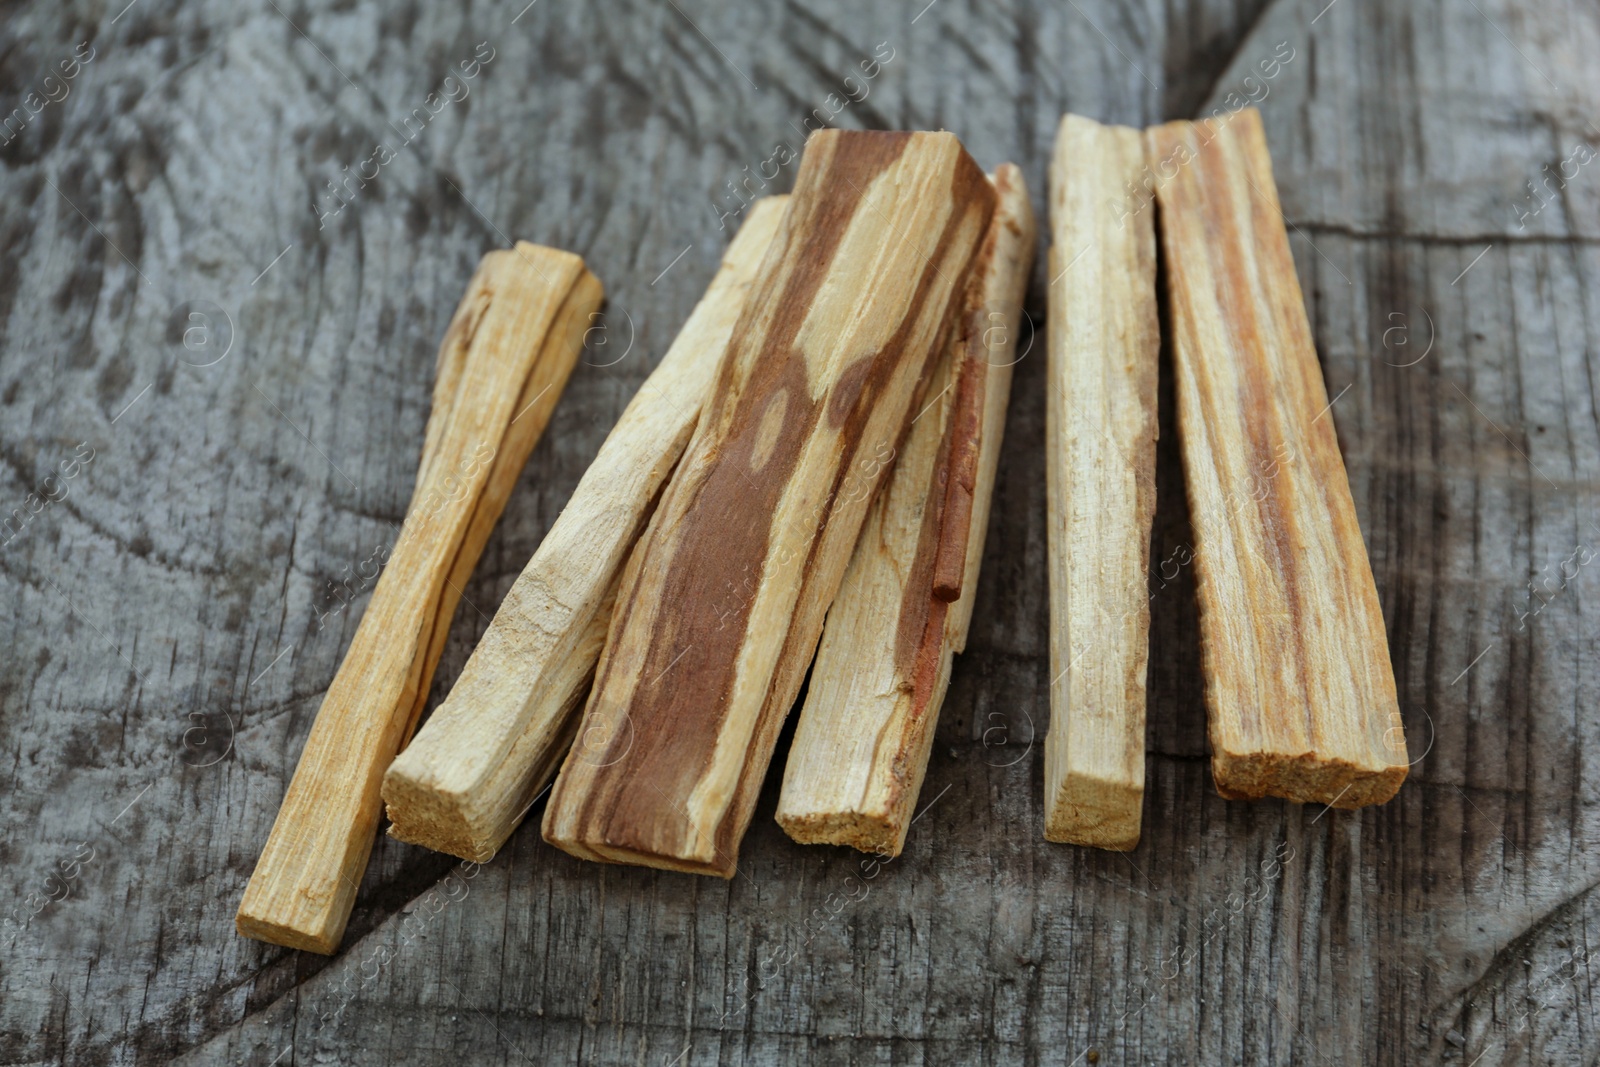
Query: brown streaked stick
<point>1299,687</point>
<point>861,747</point>
<point>501,369</point>
<point>487,752</point>
<point>723,599</point>
<point>1100,496</point>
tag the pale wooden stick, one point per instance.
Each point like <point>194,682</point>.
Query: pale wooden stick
<point>487,752</point>
<point>723,600</point>
<point>1100,460</point>
<point>502,365</point>
<point>861,747</point>
<point>1298,683</point>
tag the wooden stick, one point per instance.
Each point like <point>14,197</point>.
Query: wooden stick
<point>1298,683</point>
<point>502,365</point>
<point>1100,462</point>
<point>488,751</point>
<point>861,748</point>
<point>723,599</point>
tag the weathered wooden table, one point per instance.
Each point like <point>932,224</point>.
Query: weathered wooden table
<point>222,366</point>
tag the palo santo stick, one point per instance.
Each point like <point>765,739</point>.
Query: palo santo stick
<point>723,600</point>
<point>502,365</point>
<point>1298,683</point>
<point>487,752</point>
<point>861,748</point>
<point>1100,462</point>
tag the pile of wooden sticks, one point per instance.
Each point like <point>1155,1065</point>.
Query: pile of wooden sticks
<point>804,482</point>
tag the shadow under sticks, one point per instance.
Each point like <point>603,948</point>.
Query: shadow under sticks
<point>1175,687</point>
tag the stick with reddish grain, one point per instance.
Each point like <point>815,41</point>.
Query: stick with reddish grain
<point>1299,688</point>
<point>723,599</point>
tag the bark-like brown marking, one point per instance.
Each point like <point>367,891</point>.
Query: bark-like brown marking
<point>690,668</point>
<point>917,601</point>
<point>852,390</point>
<point>966,444</point>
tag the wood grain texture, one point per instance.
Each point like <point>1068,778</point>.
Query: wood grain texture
<point>861,746</point>
<point>1299,689</point>
<point>1100,466</point>
<point>727,591</point>
<point>465,782</point>
<point>502,366</point>
<point>159,626</point>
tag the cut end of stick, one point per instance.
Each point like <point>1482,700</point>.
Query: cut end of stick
<point>434,801</point>
<point>1087,810</point>
<point>883,834</point>
<point>1308,778</point>
<point>433,819</point>
<point>298,931</point>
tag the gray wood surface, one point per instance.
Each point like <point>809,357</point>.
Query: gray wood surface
<point>173,614</point>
